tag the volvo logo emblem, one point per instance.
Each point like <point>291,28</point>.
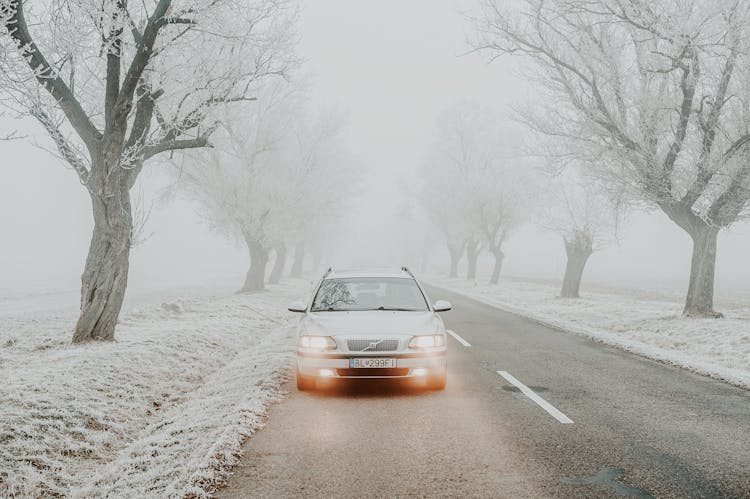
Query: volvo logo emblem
<point>372,345</point>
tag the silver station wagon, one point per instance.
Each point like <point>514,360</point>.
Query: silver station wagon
<point>373,325</point>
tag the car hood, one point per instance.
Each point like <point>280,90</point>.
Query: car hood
<point>379,322</point>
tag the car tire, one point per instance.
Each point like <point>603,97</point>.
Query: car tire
<point>437,382</point>
<point>305,383</point>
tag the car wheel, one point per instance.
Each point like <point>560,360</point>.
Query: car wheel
<point>305,383</point>
<point>437,382</point>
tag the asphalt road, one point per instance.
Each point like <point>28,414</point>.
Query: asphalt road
<point>640,428</point>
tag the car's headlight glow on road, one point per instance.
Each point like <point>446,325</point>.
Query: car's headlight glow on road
<point>317,342</point>
<point>427,341</point>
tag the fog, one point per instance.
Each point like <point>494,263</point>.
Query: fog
<point>393,67</point>
<point>568,181</point>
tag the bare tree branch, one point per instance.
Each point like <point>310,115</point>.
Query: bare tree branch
<point>49,79</point>
<point>174,145</point>
<point>63,146</point>
<point>144,50</point>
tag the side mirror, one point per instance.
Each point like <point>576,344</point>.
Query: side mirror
<point>442,306</point>
<point>297,306</point>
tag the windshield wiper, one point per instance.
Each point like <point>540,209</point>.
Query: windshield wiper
<point>334,309</point>
<point>387,309</point>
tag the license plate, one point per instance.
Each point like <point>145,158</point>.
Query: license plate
<point>372,362</point>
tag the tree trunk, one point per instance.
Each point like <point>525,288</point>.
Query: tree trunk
<point>699,301</point>
<point>298,266</point>
<point>278,264</point>
<point>256,274</point>
<point>455,254</point>
<point>700,295</point>
<point>105,275</point>
<point>472,253</point>
<point>499,257</point>
<point>579,249</point>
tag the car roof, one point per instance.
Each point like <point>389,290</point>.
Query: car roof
<point>368,272</point>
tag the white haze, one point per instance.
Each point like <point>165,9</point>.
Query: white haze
<point>394,66</point>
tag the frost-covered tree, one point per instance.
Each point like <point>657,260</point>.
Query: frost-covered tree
<point>446,173</point>
<point>335,183</point>
<point>411,229</point>
<point>115,83</point>
<point>502,199</point>
<point>275,172</point>
<point>330,180</point>
<point>585,215</point>
<point>652,95</point>
<point>473,185</point>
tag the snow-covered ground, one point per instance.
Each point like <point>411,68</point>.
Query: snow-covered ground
<point>646,323</point>
<point>160,412</point>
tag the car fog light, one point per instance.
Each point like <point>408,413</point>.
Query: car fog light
<point>420,371</point>
<point>326,372</point>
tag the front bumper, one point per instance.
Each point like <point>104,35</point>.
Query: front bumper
<point>336,365</point>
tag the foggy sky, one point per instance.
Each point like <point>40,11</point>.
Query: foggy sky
<point>393,66</point>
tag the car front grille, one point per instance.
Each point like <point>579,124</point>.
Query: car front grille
<point>391,371</point>
<point>372,345</point>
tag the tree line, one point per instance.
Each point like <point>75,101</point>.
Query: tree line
<point>278,177</point>
<point>641,104</point>
<point>647,101</point>
<point>117,85</point>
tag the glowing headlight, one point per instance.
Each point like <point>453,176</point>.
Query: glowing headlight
<point>317,342</point>
<point>427,341</point>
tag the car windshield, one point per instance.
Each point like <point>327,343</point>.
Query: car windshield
<point>369,293</point>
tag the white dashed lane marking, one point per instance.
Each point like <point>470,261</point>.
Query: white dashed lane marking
<point>459,339</point>
<point>552,410</point>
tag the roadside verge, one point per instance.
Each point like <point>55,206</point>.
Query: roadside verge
<point>161,412</point>
<point>653,328</point>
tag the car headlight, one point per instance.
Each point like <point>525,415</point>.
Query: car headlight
<point>427,341</point>
<point>317,342</point>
